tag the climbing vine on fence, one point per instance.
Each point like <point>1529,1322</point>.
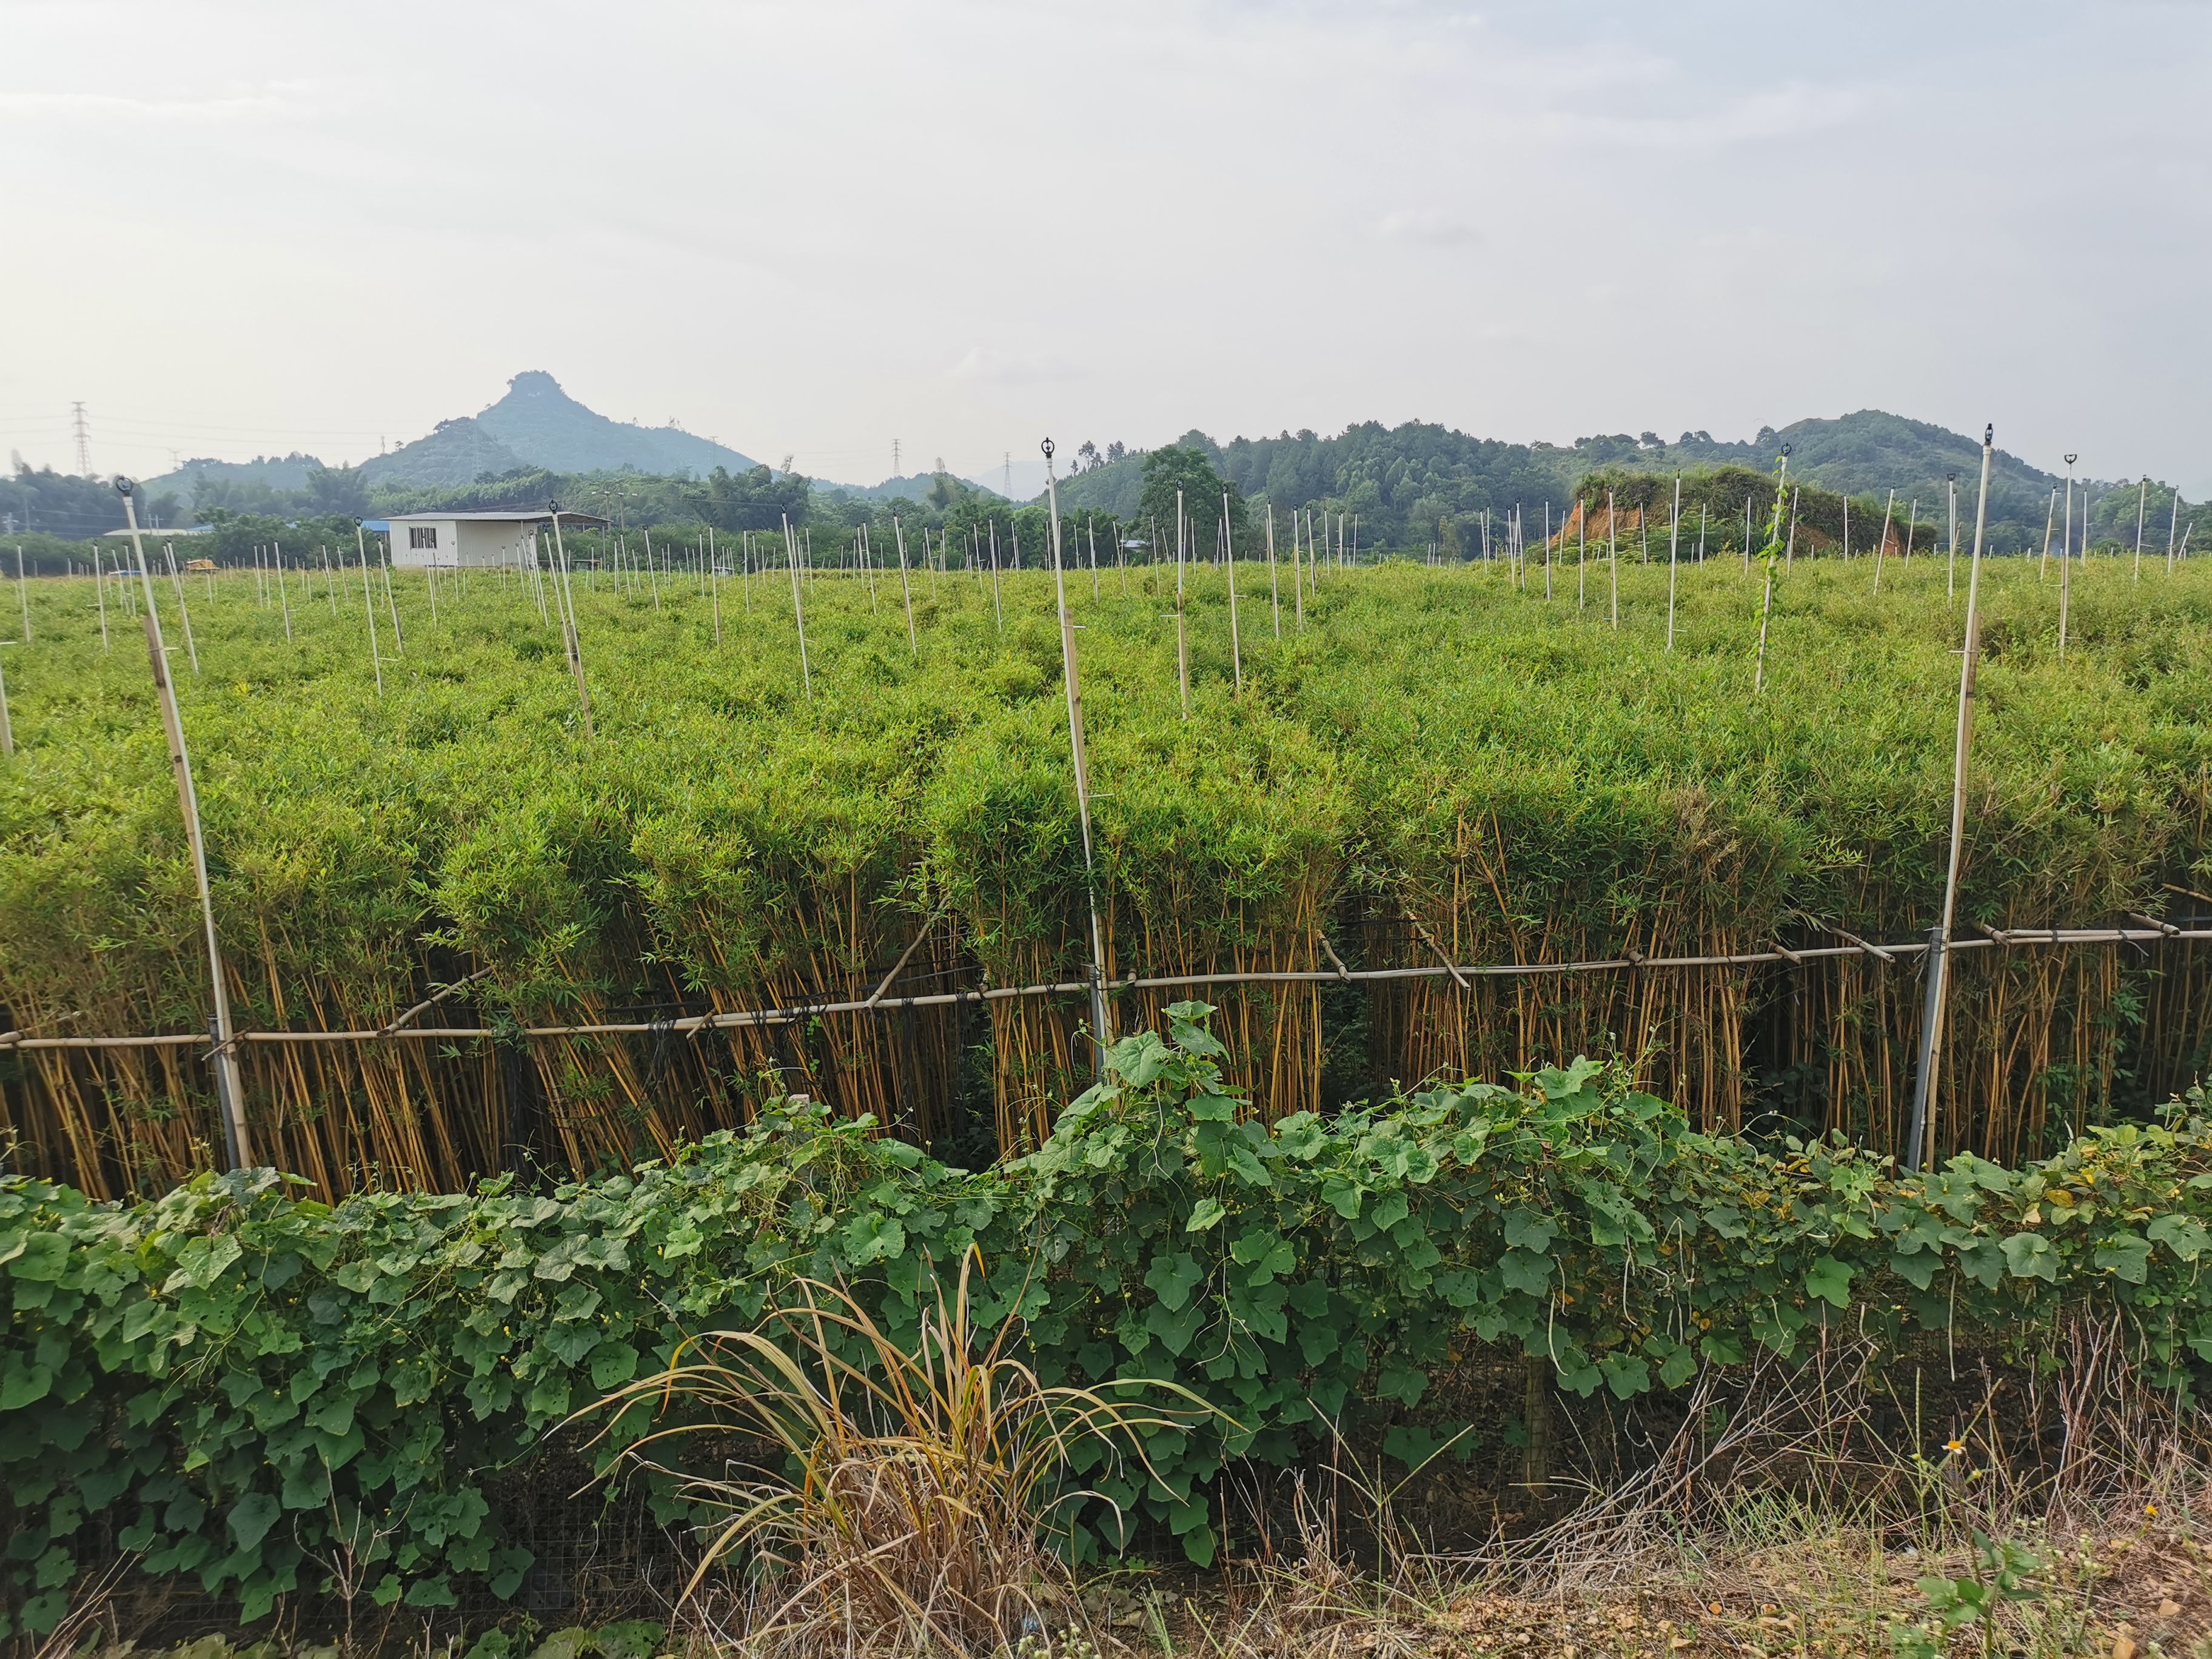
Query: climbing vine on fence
<point>264,1395</point>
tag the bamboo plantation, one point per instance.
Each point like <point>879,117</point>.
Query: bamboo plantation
<point>1426,768</point>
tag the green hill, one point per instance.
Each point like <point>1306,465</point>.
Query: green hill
<point>1401,482</point>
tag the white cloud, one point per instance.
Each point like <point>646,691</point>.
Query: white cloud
<point>1429,227</point>
<point>968,223</point>
<point>990,366</point>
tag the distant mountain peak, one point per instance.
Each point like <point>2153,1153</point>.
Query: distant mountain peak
<point>546,427</point>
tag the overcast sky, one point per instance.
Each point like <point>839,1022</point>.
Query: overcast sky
<point>810,229</point>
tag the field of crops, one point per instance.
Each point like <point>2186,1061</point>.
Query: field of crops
<point>1428,762</point>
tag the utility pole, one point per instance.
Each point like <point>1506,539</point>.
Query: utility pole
<point>1920,1138</point>
<point>895,457</point>
<point>83,442</point>
<point>1009,490</point>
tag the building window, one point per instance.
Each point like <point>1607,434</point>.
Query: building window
<point>421,534</point>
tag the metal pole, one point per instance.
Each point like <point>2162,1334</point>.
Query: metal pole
<point>1920,1139</point>
<point>368,602</point>
<point>1102,1031</point>
<point>230,1092</point>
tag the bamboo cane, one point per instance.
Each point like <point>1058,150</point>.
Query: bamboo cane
<point>998,610</point>
<point>1229,548</point>
<point>2142,505</point>
<point>1274,589</point>
<point>230,1088</point>
<point>7,730</point>
<point>2050,523</point>
<point>368,606</point>
<point>797,607</point>
<point>1881,547</point>
<point>100,594</point>
<point>913,642</point>
<point>1920,1139</point>
<point>2066,554</point>
<point>283,594</point>
<point>1101,1029</point>
<point>1951,572</point>
<point>1766,603</point>
<point>571,637</point>
<point>714,586</point>
<point>1183,654</point>
<point>184,613</point>
<point>2172,525</point>
<point>1613,554</point>
<point>23,593</point>
<point>1673,545</point>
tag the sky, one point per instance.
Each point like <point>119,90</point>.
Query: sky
<point>811,229</point>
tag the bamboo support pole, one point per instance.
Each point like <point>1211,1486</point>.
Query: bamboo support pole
<point>906,593</point>
<point>184,613</point>
<point>798,607</point>
<point>1182,647</point>
<point>230,1088</point>
<point>1229,551</point>
<point>570,637</point>
<point>1674,547</point>
<point>1920,1137</point>
<point>369,604</point>
<point>1274,587</point>
<point>1101,1030</point>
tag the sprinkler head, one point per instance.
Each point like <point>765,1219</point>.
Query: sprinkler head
<point>1047,446</point>
<point>122,485</point>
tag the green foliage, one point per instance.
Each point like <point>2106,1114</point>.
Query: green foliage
<point>1526,780</point>
<point>1999,1574</point>
<point>1176,472</point>
<point>268,1393</point>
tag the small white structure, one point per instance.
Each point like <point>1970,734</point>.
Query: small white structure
<point>506,538</point>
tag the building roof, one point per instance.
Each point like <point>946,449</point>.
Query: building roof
<point>496,515</point>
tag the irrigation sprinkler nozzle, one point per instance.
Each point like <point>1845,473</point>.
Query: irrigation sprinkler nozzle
<point>122,485</point>
<point>1047,447</point>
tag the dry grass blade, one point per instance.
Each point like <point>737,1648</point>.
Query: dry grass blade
<point>896,1496</point>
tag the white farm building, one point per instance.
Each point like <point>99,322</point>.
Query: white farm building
<point>487,538</point>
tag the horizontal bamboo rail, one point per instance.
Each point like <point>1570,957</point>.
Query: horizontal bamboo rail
<point>879,1002</point>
